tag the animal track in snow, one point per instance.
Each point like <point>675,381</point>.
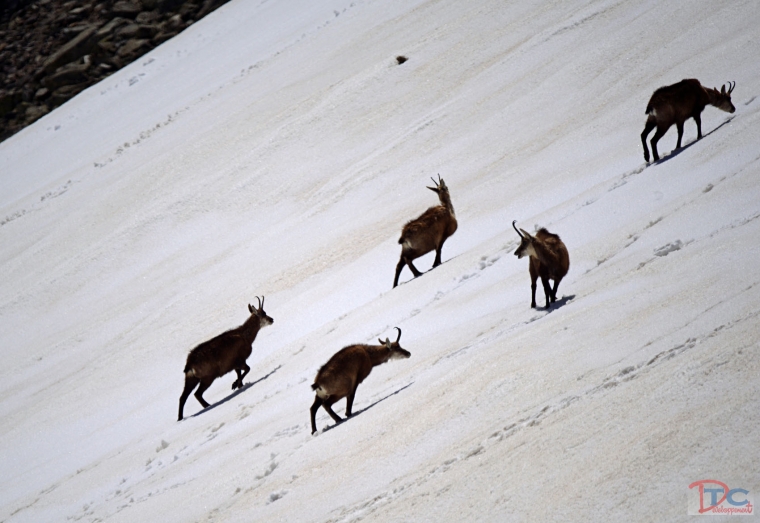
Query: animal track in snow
<point>270,468</point>
<point>274,496</point>
<point>47,196</point>
<point>670,247</point>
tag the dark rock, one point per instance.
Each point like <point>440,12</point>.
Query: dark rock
<point>35,112</point>
<point>147,17</point>
<point>73,50</point>
<point>75,29</point>
<point>8,101</point>
<point>175,22</point>
<point>163,36</point>
<point>63,94</point>
<point>132,46</point>
<point>53,40</point>
<point>166,6</point>
<point>111,26</point>
<point>67,75</point>
<point>188,9</point>
<point>137,31</point>
<point>128,31</point>
<point>126,8</point>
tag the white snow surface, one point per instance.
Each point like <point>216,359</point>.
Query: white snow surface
<point>276,148</point>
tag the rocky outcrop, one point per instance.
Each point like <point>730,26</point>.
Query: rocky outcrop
<point>50,50</point>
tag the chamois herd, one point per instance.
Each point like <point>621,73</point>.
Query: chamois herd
<point>548,259</point>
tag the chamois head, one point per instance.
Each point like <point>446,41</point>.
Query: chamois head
<point>395,352</point>
<point>723,98</point>
<point>526,243</point>
<point>260,314</point>
<point>440,186</point>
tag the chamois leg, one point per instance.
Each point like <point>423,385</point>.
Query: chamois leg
<point>438,250</point>
<point>656,138</point>
<point>533,277</point>
<point>238,384</point>
<point>190,383</point>
<point>679,127</point>
<point>554,290</point>
<point>411,266</point>
<point>547,290</point>
<point>350,401</point>
<point>698,121</point>
<point>399,267</point>
<point>647,129</point>
<point>201,389</point>
<point>314,408</point>
<point>327,404</point>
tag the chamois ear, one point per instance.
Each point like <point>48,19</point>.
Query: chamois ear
<point>526,234</point>
<point>251,309</point>
<point>723,89</point>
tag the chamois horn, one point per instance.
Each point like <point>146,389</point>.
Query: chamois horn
<point>515,226</point>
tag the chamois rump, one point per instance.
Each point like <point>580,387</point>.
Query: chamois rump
<point>674,104</point>
<point>342,374</point>
<point>222,354</point>
<point>427,232</point>
<point>548,259</point>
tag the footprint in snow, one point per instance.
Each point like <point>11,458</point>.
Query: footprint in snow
<point>667,249</point>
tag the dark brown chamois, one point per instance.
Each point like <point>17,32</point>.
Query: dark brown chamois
<point>342,374</point>
<point>548,259</point>
<point>224,353</point>
<point>427,232</point>
<point>674,104</point>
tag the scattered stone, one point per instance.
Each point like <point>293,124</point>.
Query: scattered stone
<point>111,26</point>
<point>8,101</point>
<point>132,46</point>
<point>74,49</point>
<point>50,50</point>
<point>67,75</point>
<point>146,17</point>
<point>35,112</point>
<point>126,8</point>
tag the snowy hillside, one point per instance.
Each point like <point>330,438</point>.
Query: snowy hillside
<point>276,148</point>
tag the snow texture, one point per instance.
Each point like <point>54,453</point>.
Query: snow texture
<point>277,148</point>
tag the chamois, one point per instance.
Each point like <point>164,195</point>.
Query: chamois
<point>342,374</point>
<point>427,232</point>
<point>222,354</point>
<point>548,259</point>
<point>674,104</point>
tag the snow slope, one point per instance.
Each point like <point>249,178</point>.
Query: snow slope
<point>276,148</point>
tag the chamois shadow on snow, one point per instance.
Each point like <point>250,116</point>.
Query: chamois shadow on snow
<point>676,152</point>
<point>424,272</point>
<point>366,408</point>
<point>560,303</point>
<point>239,391</point>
